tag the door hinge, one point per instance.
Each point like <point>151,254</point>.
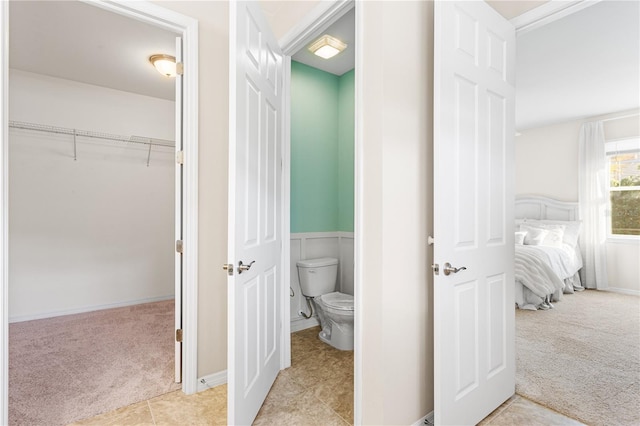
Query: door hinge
<point>179,246</point>
<point>179,335</point>
<point>180,157</point>
<point>180,68</point>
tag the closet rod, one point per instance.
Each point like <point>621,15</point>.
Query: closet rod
<point>89,134</point>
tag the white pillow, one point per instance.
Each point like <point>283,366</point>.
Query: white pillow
<point>535,236</point>
<point>554,236</point>
<point>520,237</point>
<point>572,229</point>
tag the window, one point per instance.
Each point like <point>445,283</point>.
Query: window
<point>623,159</point>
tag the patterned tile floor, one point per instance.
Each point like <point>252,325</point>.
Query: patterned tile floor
<point>521,411</point>
<point>316,390</point>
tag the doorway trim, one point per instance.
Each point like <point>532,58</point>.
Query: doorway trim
<point>187,28</point>
<point>4,224</point>
<point>314,23</point>
<point>547,13</point>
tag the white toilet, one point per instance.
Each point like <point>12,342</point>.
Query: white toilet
<point>335,309</point>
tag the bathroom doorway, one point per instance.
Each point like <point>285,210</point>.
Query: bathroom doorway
<point>321,201</point>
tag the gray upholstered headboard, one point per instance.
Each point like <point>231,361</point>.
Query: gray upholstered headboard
<point>539,207</point>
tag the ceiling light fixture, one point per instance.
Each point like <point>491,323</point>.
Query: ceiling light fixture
<point>327,47</point>
<point>165,64</point>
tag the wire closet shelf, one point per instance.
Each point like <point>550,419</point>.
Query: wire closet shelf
<point>90,134</point>
<point>86,133</point>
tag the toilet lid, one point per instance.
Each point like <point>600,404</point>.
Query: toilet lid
<point>339,301</point>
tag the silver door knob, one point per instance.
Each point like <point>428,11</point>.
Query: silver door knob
<point>242,267</point>
<point>448,269</point>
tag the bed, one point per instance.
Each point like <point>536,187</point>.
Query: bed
<point>548,258</point>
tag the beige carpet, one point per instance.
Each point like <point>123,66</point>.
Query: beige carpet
<point>582,358</point>
<point>72,367</point>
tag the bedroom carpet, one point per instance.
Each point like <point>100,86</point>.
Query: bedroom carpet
<point>582,358</point>
<point>68,368</point>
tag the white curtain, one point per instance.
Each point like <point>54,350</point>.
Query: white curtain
<point>594,200</point>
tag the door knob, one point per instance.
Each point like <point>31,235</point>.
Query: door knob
<point>242,267</point>
<point>448,269</point>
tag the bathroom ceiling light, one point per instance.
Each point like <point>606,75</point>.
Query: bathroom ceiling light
<point>165,64</point>
<point>327,47</point>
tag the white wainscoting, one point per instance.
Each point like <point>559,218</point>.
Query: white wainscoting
<point>311,245</point>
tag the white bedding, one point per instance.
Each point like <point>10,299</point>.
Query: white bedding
<point>564,260</point>
<point>544,273</point>
<point>560,255</point>
<point>532,271</point>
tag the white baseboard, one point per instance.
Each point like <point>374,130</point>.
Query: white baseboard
<point>426,420</point>
<point>623,291</point>
<point>212,380</point>
<point>299,324</point>
<point>84,309</point>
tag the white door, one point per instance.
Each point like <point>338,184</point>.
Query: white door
<point>255,191</point>
<point>178,218</point>
<point>473,211</point>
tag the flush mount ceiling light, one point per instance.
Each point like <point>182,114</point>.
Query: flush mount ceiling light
<point>165,64</point>
<point>327,47</point>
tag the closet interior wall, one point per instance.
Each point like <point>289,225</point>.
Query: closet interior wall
<point>90,227</point>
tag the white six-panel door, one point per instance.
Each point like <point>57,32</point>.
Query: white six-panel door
<point>255,191</point>
<point>474,313</point>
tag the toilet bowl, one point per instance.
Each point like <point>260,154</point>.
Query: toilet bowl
<point>334,309</point>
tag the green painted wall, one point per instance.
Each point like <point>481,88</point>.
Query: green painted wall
<point>314,149</point>
<point>346,160</point>
<point>322,113</point>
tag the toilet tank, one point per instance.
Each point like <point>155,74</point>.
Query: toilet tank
<point>317,276</point>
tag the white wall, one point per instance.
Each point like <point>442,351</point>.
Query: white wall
<point>99,231</point>
<point>547,164</point>
<point>312,245</point>
<point>395,209</point>
<point>547,161</point>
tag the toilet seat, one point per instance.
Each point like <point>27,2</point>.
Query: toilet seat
<point>338,301</point>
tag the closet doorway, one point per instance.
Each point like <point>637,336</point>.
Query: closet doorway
<point>95,194</point>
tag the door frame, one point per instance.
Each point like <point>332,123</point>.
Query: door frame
<point>187,28</point>
<point>312,25</point>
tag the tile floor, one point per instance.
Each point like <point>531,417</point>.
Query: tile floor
<point>521,411</point>
<point>316,390</point>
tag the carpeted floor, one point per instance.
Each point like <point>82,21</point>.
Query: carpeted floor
<point>72,367</point>
<point>582,358</point>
